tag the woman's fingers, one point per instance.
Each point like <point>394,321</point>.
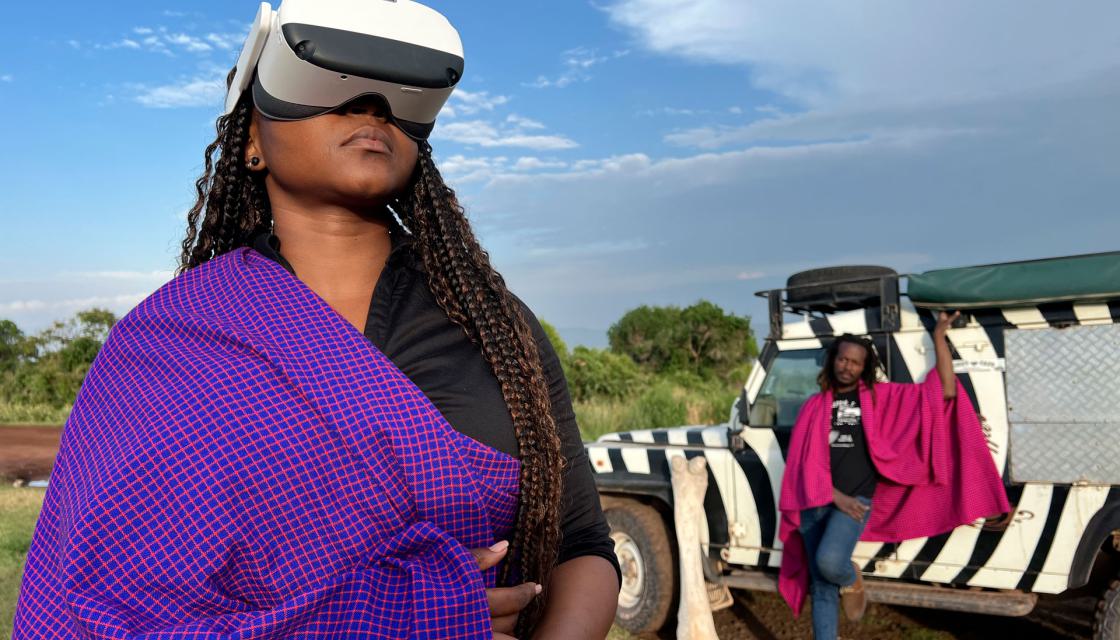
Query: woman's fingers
<point>488,557</point>
<point>504,624</point>
<point>506,601</point>
<point>502,636</point>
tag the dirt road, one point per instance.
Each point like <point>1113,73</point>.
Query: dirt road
<point>763,616</point>
<point>27,452</point>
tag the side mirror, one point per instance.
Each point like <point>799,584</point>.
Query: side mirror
<point>743,408</point>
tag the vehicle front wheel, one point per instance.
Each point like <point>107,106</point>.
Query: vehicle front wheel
<point>648,571</point>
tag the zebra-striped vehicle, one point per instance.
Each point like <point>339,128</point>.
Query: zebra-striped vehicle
<point>1037,349</point>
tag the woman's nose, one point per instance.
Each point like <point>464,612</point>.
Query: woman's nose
<point>372,105</point>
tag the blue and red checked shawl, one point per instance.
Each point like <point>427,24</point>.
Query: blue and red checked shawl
<point>241,462</point>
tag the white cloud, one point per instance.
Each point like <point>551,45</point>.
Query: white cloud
<point>484,134</point>
<point>226,41</point>
<point>158,275</point>
<point>523,122</point>
<point>871,53</point>
<point>200,91</point>
<point>461,169</point>
<point>7,77</point>
<point>471,102</point>
<point>576,63</point>
<point>167,42</point>
<point>536,164</point>
<point>190,43</point>
<point>589,249</point>
<point>116,302</point>
<point>920,188</point>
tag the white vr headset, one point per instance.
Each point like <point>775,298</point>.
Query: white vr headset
<point>313,56</point>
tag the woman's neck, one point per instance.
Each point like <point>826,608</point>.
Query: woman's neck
<point>336,252</point>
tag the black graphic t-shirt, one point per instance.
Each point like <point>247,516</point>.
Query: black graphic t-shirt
<point>852,470</point>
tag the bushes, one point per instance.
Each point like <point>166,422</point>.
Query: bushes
<point>666,367</point>
<point>597,373</point>
<point>40,375</point>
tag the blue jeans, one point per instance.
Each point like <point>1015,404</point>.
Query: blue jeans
<point>830,536</point>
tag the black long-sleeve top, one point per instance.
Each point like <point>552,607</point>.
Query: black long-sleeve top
<point>407,324</point>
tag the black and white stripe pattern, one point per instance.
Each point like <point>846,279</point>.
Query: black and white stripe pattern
<point>1034,553</point>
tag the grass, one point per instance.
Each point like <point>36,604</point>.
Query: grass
<point>662,404</point>
<point>18,413</point>
<point>20,508</point>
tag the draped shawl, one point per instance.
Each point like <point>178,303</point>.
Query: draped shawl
<point>241,462</point>
<point>935,470</point>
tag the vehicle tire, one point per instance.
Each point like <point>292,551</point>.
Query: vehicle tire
<point>649,575</point>
<point>802,293</point>
<point>1106,626</point>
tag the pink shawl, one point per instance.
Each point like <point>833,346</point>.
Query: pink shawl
<point>936,472</point>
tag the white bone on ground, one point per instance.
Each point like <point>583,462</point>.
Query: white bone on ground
<point>694,615</point>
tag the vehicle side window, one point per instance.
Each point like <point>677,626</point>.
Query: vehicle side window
<point>790,380</point>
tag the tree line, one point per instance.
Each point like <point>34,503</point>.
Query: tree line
<point>663,364</point>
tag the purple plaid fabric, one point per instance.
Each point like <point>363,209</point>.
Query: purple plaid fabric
<point>241,462</point>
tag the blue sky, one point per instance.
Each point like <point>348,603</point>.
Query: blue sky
<point>611,153</point>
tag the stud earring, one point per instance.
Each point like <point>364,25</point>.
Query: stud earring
<point>254,161</point>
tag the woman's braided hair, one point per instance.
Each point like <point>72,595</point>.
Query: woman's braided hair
<point>232,207</point>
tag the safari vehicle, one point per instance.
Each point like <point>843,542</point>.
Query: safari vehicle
<point>1037,349</point>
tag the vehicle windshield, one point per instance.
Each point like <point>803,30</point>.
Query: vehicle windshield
<point>790,380</point>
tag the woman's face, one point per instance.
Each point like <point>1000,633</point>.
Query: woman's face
<point>352,156</point>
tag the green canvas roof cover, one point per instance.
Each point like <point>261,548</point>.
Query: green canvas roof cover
<point>1075,278</point>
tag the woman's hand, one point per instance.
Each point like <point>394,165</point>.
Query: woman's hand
<point>849,505</point>
<point>505,602</point>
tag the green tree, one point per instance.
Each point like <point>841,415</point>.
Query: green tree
<point>598,373</point>
<point>702,340</point>
<point>54,362</point>
<point>558,344</point>
<point>14,347</point>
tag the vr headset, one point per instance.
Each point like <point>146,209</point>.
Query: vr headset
<point>313,56</point>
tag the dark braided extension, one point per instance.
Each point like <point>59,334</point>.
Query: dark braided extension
<point>232,202</point>
<point>475,296</point>
<point>232,206</point>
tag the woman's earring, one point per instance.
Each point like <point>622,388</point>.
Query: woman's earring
<point>254,161</point>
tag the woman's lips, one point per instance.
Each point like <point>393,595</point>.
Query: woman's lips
<point>368,143</point>
<point>371,138</point>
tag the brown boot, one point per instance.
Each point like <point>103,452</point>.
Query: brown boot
<point>853,598</point>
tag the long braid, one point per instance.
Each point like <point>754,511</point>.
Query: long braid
<point>233,205</point>
<point>230,203</point>
<point>475,296</point>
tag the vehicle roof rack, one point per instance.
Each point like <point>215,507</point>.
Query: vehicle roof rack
<point>881,291</point>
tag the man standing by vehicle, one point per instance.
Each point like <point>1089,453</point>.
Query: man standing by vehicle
<point>860,443</point>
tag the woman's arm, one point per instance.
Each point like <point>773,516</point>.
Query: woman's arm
<point>582,597</point>
<point>582,593</point>
<point>944,355</point>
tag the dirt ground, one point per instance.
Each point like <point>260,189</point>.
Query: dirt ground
<point>27,453</point>
<point>764,616</point>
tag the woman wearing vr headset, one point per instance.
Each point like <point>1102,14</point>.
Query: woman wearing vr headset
<point>336,421</point>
